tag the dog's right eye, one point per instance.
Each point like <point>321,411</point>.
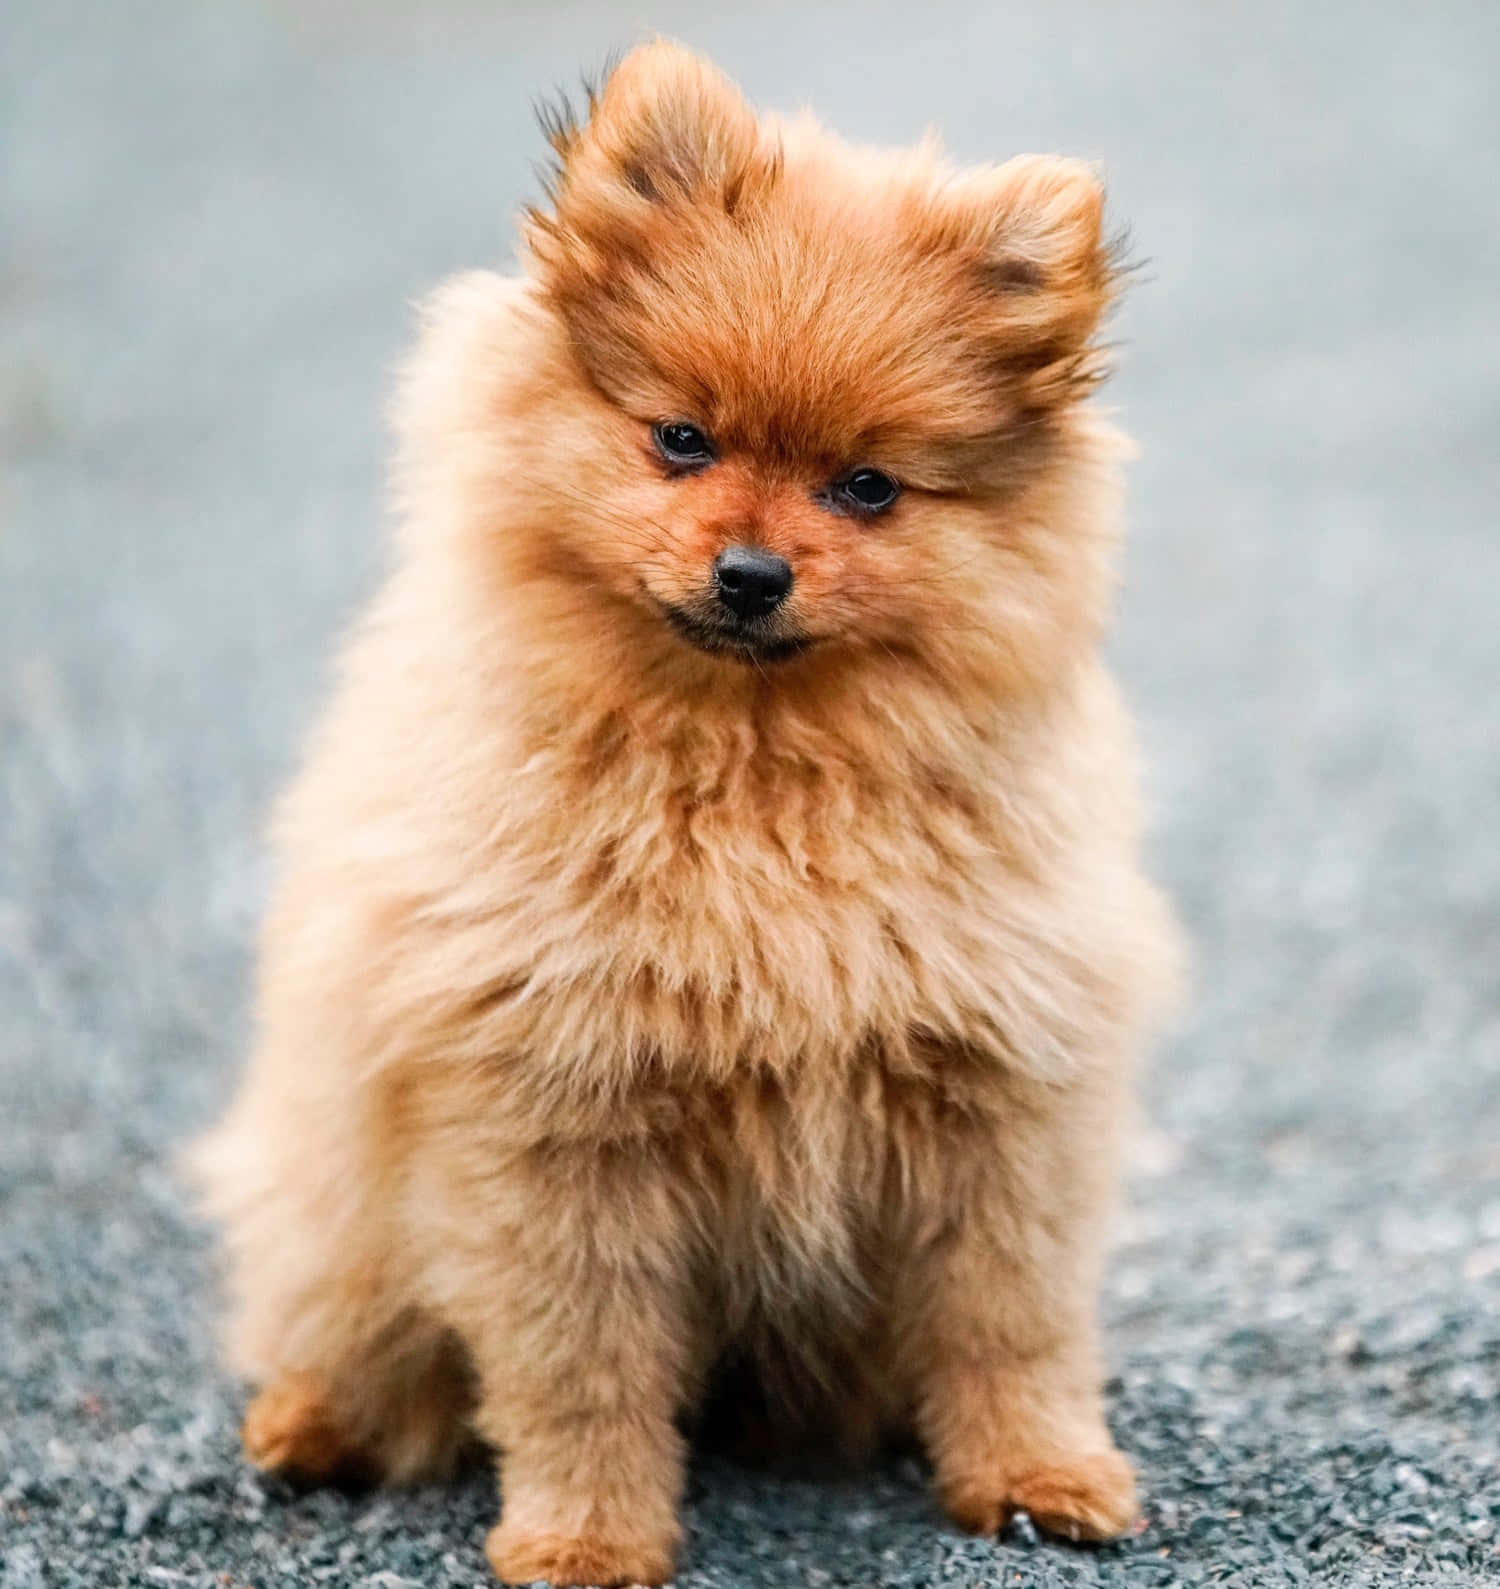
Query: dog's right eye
<point>679,442</point>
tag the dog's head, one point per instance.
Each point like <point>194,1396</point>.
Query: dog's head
<point>816,385</point>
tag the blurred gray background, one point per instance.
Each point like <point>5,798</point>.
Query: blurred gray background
<point>213,219</point>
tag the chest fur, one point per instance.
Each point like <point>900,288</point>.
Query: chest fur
<point>728,910</point>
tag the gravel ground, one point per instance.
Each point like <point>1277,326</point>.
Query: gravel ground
<point>212,217</point>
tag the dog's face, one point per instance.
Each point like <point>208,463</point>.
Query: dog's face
<point>819,380</point>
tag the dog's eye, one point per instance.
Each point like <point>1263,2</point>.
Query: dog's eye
<point>867,491</point>
<point>679,442</point>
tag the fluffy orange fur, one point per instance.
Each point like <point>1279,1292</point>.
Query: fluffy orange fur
<point>629,999</point>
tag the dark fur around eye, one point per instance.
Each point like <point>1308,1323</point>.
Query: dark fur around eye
<point>865,491</point>
<point>682,444</point>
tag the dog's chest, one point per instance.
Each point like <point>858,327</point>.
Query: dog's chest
<point>808,1178</point>
<point>771,918</point>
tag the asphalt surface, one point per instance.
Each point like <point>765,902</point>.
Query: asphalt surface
<point>212,217</point>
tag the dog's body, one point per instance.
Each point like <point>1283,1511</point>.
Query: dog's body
<point>626,1003</point>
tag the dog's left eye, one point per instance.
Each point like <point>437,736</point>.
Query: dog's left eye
<point>867,491</point>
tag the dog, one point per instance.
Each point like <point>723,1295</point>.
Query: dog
<point>710,922</point>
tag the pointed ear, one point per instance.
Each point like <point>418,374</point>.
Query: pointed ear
<point>666,130</point>
<point>1032,230</point>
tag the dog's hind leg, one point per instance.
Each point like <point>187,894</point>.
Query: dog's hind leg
<point>355,1379</point>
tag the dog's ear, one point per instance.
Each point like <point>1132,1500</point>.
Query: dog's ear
<point>666,131</point>
<point>1031,233</point>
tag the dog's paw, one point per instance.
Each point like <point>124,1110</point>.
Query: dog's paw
<point>1083,1496</point>
<point>521,1557</point>
<point>289,1429</point>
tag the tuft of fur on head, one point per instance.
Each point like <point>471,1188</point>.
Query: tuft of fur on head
<point>671,187</point>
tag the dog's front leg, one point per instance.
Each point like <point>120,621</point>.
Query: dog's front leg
<point>997,1315</point>
<point>579,1316</point>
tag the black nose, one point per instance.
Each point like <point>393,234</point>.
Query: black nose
<point>750,582</point>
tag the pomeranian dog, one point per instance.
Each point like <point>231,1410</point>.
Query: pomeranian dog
<point>710,926</point>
